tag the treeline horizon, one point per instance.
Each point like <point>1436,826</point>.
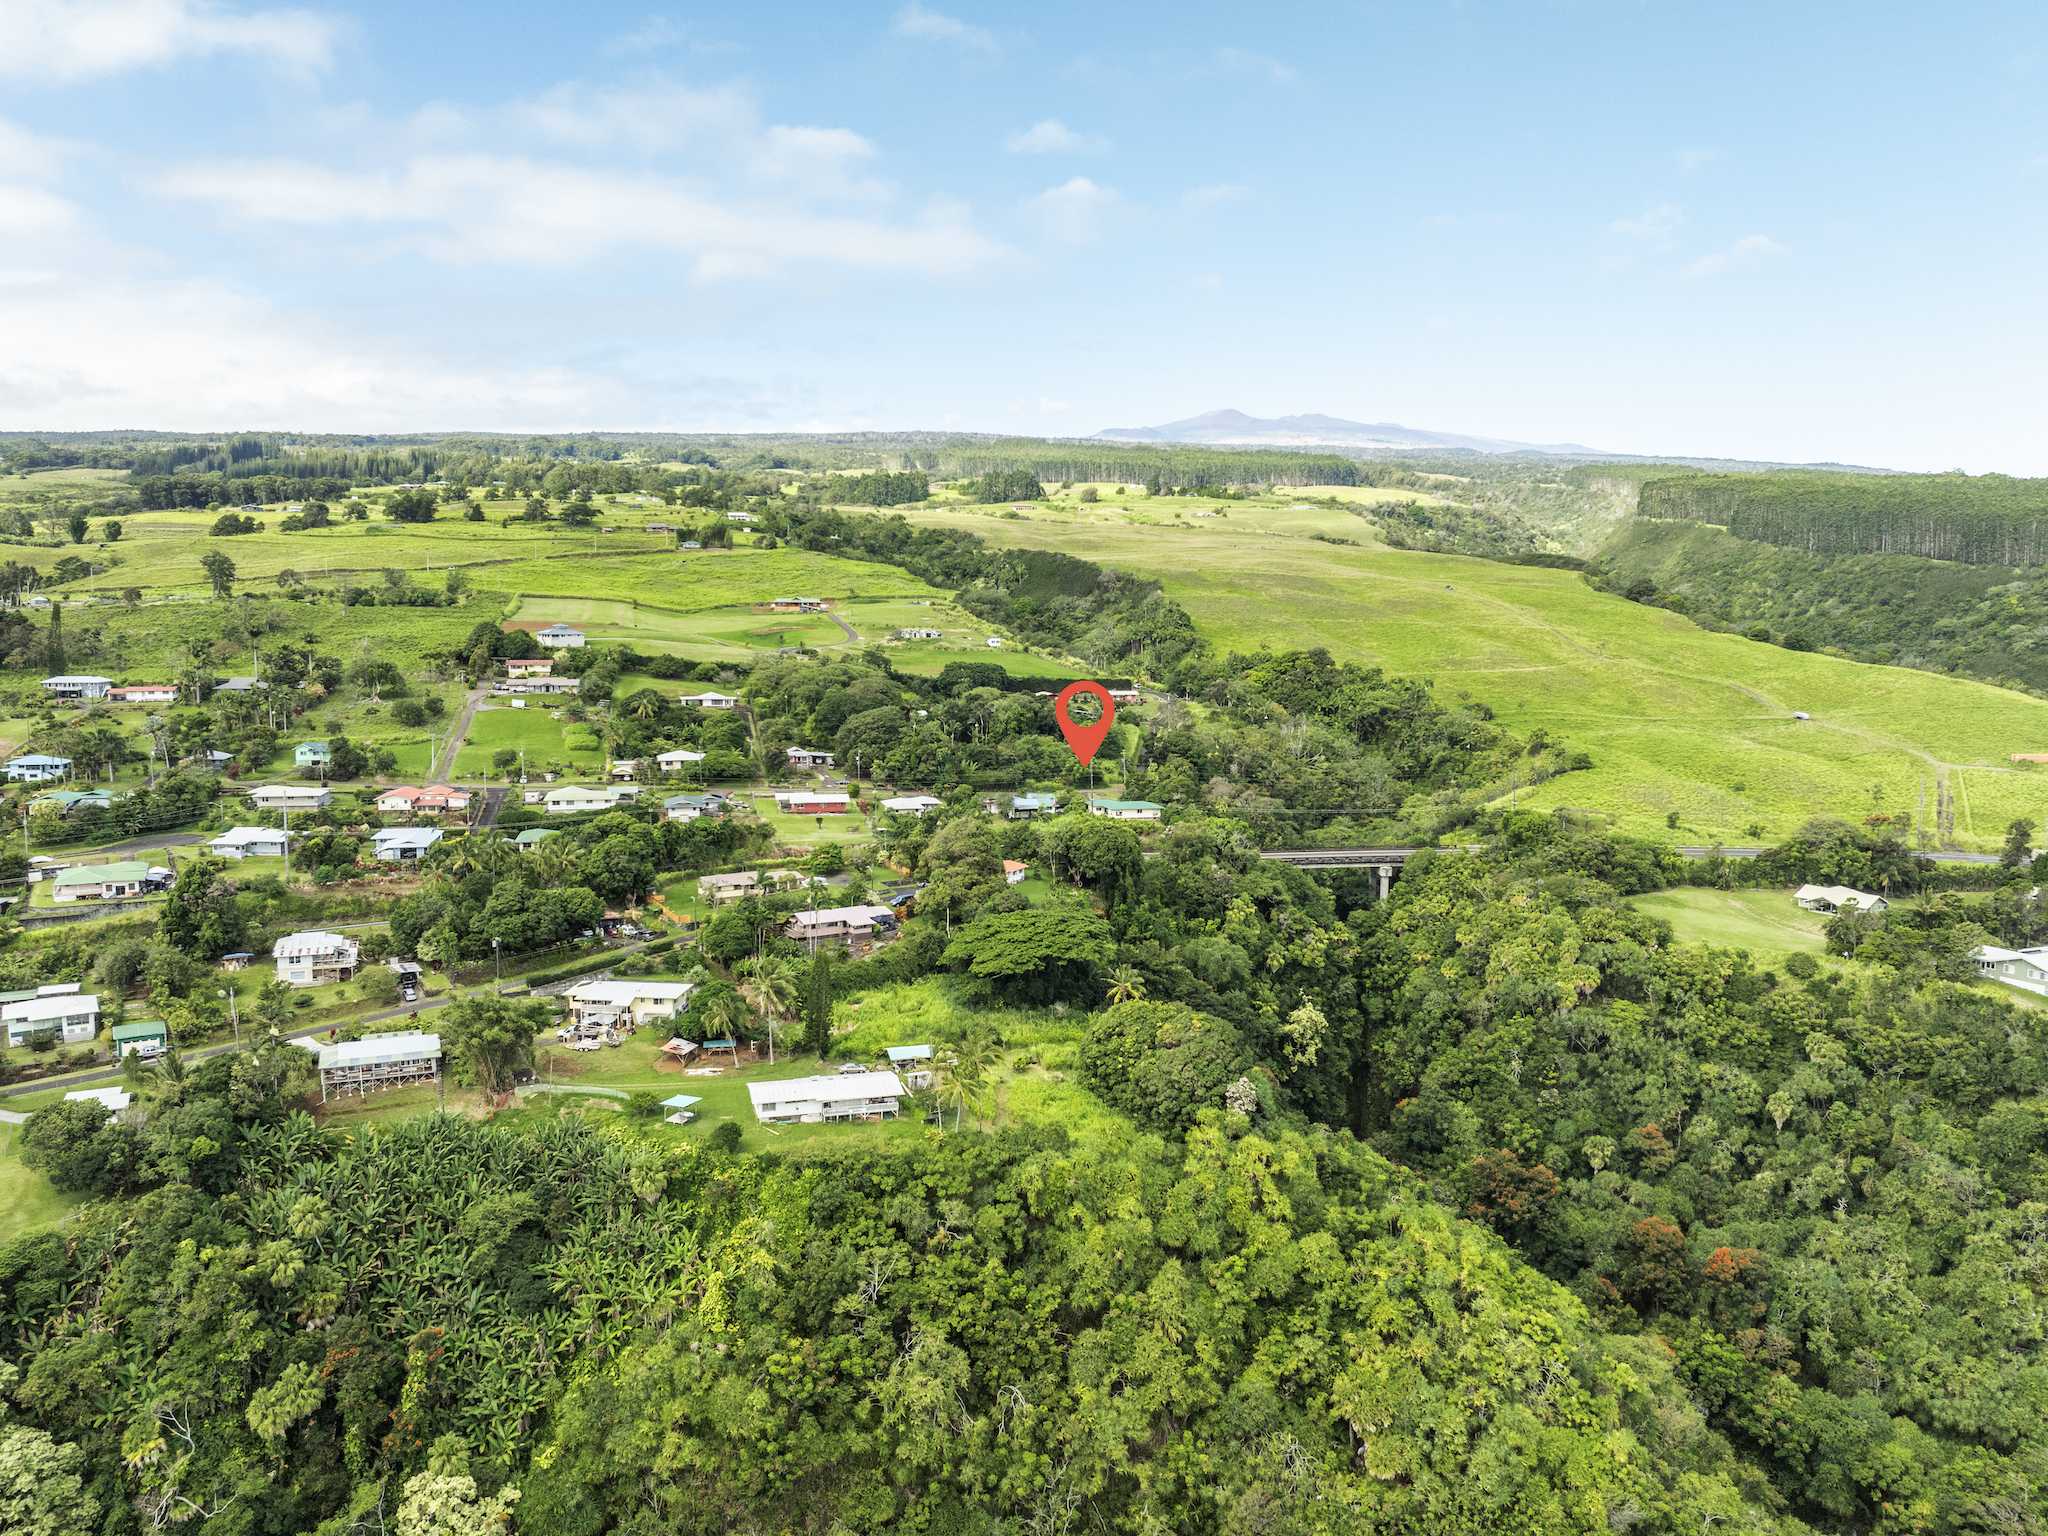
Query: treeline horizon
<point>1973,520</point>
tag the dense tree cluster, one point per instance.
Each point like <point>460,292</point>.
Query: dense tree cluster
<point>451,1315</point>
<point>1975,519</point>
<point>882,488</point>
<point>1824,1192</point>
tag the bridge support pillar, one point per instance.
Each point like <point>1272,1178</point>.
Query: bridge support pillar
<point>1386,880</point>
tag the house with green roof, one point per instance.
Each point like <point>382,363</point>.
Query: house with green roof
<point>118,881</point>
<point>145,1037</point>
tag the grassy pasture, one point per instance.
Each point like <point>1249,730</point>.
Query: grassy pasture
<point>1676,719</point>
<point>28,1202</point>
<point>1764,922</point>
<point>541,733</point>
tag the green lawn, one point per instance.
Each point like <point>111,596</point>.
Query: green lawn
<point>541,733</point>
<point>800,831</point>
<point>1765,922</point>
<point>28,1204</point>
<point>1675,718</point>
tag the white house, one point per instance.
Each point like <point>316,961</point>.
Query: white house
<point>2026,969</point>
<point>676,761</point>
<point>1126,810</point>
<point>251,843</point>
<point>545,686</point>
<point>842,1096</point>
<point>808,757</point>
<point>404,845</point>
<point>849,923</point>
<point>710,700</point>
<point>291,797</point>
<point>378,1061</point>
<point>75,1016</point>
<point>119,880</point>
<point>72,686</point>
<point>602,1004</point>
<point>690,807</point>
<point>529,666</point>
<point>315,956</point>
<point>37,768</point>
<point>917,634</point>
<point>560,637</point>
<point>574,797</point>
<point>739,517</point>
<point>625,768</point>
<point>144,693</point>
<point>912,805</point>
<point>1014,871</point>
<point>1838,898</point>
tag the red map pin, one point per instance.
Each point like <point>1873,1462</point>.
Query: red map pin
<point>1086,740</point>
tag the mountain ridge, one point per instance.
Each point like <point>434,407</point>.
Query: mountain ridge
<point>1314,429</point>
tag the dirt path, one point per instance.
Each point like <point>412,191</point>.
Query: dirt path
<point>442,769</point>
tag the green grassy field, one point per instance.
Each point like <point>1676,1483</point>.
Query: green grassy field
<point>1764,922</point>
<point>1675,718</point>
<point>541,733</point>
<point>27,1201</point>
<point>154,640</point>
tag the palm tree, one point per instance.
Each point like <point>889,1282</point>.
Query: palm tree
<point>770,990</point>
<point>1126,985</point>
<point>727,1017</point>
<point>968,1071</point>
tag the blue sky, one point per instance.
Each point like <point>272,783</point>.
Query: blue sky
<point>1799,232</point>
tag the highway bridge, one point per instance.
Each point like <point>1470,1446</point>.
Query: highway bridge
<point>1387,862</point>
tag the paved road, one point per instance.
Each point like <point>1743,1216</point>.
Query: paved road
<point>139,844</point>
<point>1941,857</point>
<point>1334,857</point>
<point>494,802</point>
<point>852,636</point>
<point>207,1052</point>
<point>381,1016</point>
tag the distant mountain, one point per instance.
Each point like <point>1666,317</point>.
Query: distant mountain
<point>1236,429</point>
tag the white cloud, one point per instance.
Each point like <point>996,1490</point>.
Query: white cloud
<point>64,40</point>
<point>652,35</point>
<point>1746,252</point>
<point>87,354</point>
<point>33,211</point>
<point>464,208</point>
<point>915,20</point>
<point>32,156</point>
<point>1074,210</point>
<point>1215,194</point>
<point>717,130</point>
<point>1690,160</point>
<point>1241,61</point>
<point>1050,136</point>
<point>1655,226</point>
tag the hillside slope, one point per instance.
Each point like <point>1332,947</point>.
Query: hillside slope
<point>1679,721</point>
<point>1981,621</point>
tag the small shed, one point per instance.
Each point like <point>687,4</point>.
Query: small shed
<point>681,1107</point>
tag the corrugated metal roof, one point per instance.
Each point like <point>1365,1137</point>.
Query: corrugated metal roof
<point>380,1050</point>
